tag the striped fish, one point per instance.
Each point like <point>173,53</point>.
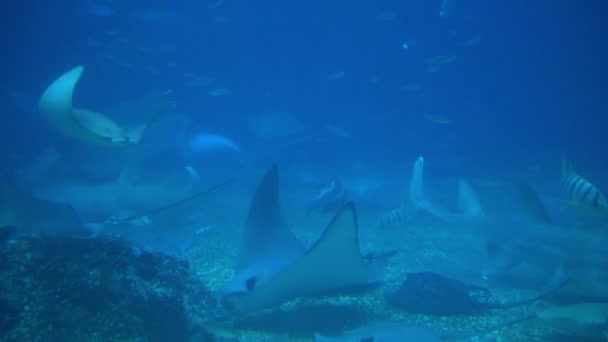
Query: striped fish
<point>394,217</point>
<point>581,192</point>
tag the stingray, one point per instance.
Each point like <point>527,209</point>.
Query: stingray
<point>433,294</point>
<point>384,331</point>
<point>583,320</point>
<point>27,214</point>
<point>590,313</point>
<point>394,331</point>
<point>89,126</point>
<point>273,267</point>
<point>586,321</point>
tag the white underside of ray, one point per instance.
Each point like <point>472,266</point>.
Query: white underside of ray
<point>56,107</point>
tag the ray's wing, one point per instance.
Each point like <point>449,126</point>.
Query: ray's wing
<point>266,236</point>
<point>333,263</point>
<point>531,205</point>
<point>32,215</point>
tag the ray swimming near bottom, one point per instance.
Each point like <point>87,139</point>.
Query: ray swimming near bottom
<point>587,320</point>
<point>384,331</point>
<point>273,267</point>
<point>433,294</point>
<point>395,331</point>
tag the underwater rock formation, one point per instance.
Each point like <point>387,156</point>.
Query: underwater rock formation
<point>58,288</point>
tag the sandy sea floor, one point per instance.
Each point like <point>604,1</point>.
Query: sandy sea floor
<point>427,245</point>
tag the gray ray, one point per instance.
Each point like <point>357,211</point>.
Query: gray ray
<point>272,267</point>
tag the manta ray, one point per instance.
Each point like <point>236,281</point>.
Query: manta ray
<point>89,126</point>
<point>273,267</point>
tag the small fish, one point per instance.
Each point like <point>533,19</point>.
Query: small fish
<point>473,41</point>
<point>446,9</point>
<point>338,131</point>
<point>411,87</point>
<point>99,10</point>
<point>394,217</point>
<point>219,92</point>
<point>581,192</point>
<point>216,5</point>
<point>438,119</point>
<point>193,173</point>
<point>386,16</point>
<point>442,59</point>
<point>338,75</point>
<point>198,81</point>
<point>331,197</point>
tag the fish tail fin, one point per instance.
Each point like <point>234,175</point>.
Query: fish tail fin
<point>136,133</point>
<point>417,194</point>
<point>531,205</point>
<point>567,168</point>
<point>193,173</point>
<point>131,173</point>
<point>468,202</point>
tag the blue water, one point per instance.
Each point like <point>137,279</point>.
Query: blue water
<point>497,90</point>
<point>532,87</point>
